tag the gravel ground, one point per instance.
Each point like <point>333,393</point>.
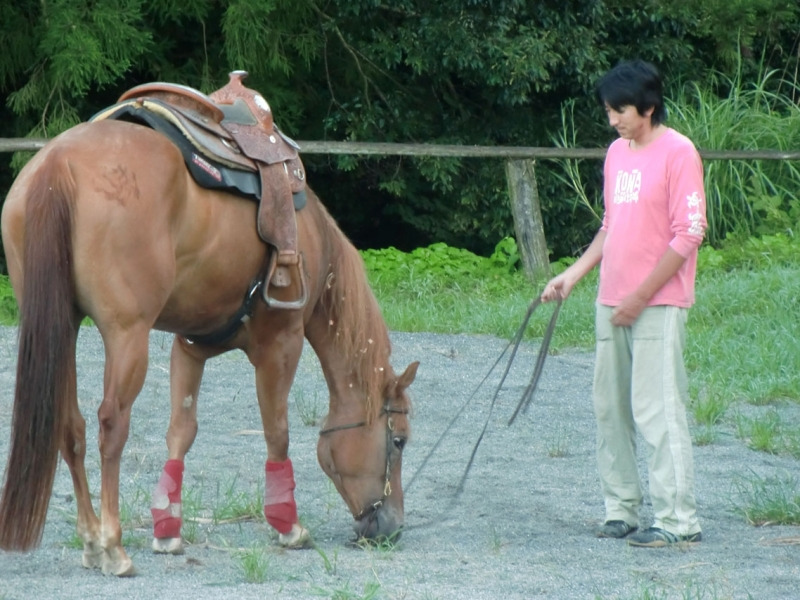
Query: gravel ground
<point>522,527</point>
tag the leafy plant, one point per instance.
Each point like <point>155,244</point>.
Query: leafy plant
<point>9,313</point>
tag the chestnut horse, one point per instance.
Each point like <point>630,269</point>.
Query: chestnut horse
<point>106,222</point>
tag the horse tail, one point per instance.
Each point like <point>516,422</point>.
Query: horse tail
<point>45,380</point>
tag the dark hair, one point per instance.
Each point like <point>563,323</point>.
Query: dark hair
<point>633,83</point>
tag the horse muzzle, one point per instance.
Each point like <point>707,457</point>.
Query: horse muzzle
<point>379,521</point>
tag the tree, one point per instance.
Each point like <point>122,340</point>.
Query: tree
<point>484,72</point>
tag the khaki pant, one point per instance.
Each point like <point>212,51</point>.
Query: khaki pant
<point>640,384</point>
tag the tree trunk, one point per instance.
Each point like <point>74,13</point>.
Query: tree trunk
<point>526,209</point>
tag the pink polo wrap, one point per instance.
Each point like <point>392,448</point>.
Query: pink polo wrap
<point>166,505</point>
<point>280,508</point>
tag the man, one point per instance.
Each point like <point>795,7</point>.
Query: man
<point>653,225</point>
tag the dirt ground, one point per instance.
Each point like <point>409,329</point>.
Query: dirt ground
<point>522,527</point>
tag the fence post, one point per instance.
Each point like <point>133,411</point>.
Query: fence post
<point>527,213</point>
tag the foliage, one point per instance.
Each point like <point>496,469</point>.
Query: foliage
<point>9,314</point>
<point>769,433</point>
<point>446,267</point>
<point>72,47</point>
<point>749,254</point>
<point>741,346</point>
<point>745,197</point>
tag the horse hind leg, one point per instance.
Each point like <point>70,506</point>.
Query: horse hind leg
<point>73,450</point>
<point>126,367</point>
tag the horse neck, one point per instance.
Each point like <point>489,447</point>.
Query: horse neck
<point>349,336</point>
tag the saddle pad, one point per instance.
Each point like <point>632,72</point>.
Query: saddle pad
<point>206,171</point>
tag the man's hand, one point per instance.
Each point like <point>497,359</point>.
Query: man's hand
<point>558,288</point>
<point>626,313</point>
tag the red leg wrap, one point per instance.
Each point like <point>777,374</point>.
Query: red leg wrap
<point>166,505</point>
<point>280,509</point>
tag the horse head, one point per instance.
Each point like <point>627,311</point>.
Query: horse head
<point>363,456</point>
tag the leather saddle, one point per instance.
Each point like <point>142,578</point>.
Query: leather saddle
<point>229,141</point>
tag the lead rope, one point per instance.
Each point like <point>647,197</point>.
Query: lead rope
<point>526,397</point>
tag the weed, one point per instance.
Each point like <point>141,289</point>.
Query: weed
<point>704,436</point>
<point>311,410</point>
<point>328,564</point>
<point>384,545</point>
<point>559,446</point>
<point>769,500</point>
<point>769,433</point>
<point>232,505</point>
<point>344,592</point>
<point>709,410</point>
<point>496,542</point>
<point>254,564</point>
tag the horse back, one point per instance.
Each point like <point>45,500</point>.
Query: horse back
<point>149,245</point>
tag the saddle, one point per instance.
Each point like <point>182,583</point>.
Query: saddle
<point>229,140</point>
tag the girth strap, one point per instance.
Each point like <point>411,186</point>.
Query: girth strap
<point>227,331</point>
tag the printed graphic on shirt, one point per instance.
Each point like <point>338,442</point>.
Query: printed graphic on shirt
<point>627,186</point>
<point>695,218</point>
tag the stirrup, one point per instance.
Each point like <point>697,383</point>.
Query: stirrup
<point>282,280</point>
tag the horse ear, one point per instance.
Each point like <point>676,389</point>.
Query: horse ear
<point>408,376</point>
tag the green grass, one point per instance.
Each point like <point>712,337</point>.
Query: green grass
<point>755,196</point>
<point>769,433</point>
<point>673,591</point>
<point>254,564</point>
<point>769,500</point>
<point>311,409</point>
<point>743,342</point>
<point>344,592</point>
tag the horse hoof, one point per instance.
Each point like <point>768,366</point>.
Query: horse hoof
<point>92,557</point>
<point>168,545</point>
<point>298,537</point>
<point>123,568</point>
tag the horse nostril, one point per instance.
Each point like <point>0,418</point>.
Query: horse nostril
<point>399,442</point>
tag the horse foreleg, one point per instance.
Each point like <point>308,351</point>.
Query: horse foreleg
<point>126,367</point>
<point>186,372</point>
<point>274,375</point>
<point>280,508</point>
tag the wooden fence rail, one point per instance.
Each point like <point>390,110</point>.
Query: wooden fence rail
<point>520,175</point>
<point>510,152</point>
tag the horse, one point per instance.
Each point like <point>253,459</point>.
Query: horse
<point>106,222</point>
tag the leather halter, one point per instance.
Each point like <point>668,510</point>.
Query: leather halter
<point>387,486</point>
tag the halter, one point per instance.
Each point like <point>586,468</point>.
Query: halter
<point>387,486</point>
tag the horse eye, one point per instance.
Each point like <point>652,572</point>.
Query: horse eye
<point>399,442</point>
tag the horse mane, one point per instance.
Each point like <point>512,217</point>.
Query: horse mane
<point>359,331</point>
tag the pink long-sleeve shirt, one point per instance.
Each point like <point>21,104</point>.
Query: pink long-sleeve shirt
<point>654,199</point>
